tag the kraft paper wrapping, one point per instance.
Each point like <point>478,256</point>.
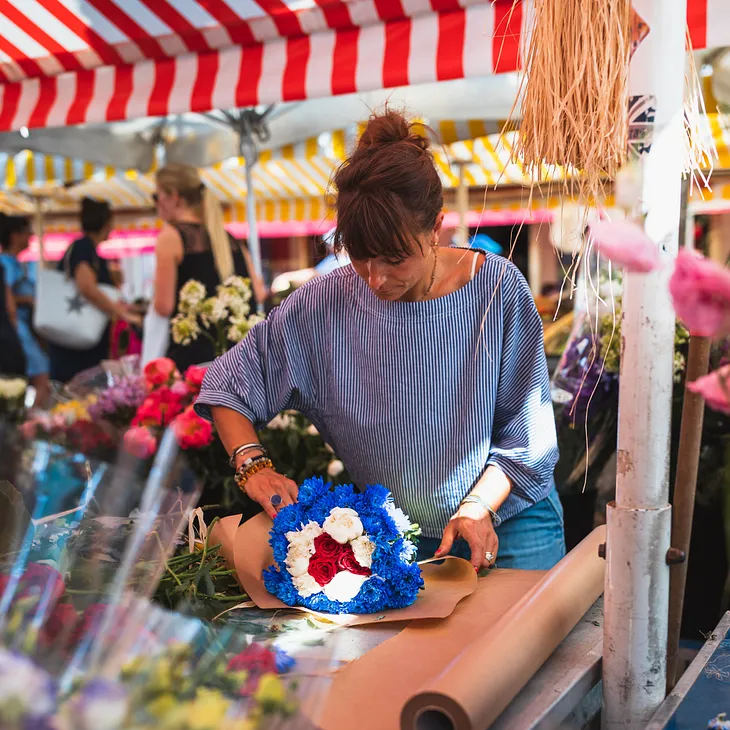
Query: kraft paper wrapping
<point>474,689</point>
<point>461,672</point>
<point>247,548</point>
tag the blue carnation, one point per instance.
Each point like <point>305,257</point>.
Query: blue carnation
<point>395,580</point>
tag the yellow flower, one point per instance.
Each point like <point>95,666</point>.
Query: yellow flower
<point>271,691</point>
<point>162,706</point>
<point>208,710</point>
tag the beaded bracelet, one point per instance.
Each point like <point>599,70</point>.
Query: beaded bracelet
<point>257,465</point>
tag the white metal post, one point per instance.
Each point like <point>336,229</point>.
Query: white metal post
<point>637,576</point>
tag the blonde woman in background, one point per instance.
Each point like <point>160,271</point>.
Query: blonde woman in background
<point>193,244</point>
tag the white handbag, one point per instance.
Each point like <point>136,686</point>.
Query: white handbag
<point>62,315</point>
<point>155,336</point>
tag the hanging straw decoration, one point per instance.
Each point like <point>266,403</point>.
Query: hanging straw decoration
<point>574,95</point>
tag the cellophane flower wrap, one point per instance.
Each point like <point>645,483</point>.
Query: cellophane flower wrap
<point>340,551</point>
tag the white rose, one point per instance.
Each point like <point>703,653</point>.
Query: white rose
<point>335,468</point>
<point>344,586</point>
<point>343,524</point>
<point>305,536</point>
<point>312,430</point>
<point>363,548</point>
<point>306,585</point>
<point>297,559</point>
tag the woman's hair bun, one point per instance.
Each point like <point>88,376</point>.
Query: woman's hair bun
<point>390,127</point>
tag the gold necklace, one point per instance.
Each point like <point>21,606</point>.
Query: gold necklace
<point>433,273</point>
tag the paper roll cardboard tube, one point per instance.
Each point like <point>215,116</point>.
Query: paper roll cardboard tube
<point>483,679</point>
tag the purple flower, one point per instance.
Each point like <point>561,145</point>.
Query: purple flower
<point>119,403</point>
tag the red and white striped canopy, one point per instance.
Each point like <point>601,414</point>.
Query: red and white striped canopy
<point>65,62</point>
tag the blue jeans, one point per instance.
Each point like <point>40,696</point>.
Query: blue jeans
<point>532,540</point>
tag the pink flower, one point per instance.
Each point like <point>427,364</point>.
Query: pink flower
<point>194,377</point>
<point>180,389</point>
<point>140,442</point>
<point>627,245</point>
<point>700,291</point>
<point>162,371</point>
<point>715,389</point>
<point>192,431</point>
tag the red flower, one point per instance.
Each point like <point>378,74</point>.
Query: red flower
<point>60,624</point>
<point>256,660</point>
<point>159,409</point>
<point>347,561</point>
<point>36,578</point>
<point>323,570</point>
<point>88,437</point>
<point>194,377</point>
<point>326,547</point>
<point>160,372</point>
<point>140,442</point>
<point>192,431</point>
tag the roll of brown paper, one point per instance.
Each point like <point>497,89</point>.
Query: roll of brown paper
<point>484,678</point>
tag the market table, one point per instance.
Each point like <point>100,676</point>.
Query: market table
<point>565,692</point>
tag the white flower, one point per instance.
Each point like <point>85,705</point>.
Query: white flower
<point>312,430</point>
<point>343,524</point>
<point>214,310</point>
<point>24,684</point>
<point>184,329</point>
<point>344,586</point>
<point>363,548</point>
<point>401,519</point>
<point>240,326</point>
<point>11,388</point>
<point>280,422</point>
<point>100,705</point>
<point>191,296</point>
<point>297,559</point>
<point>335,468</point>
<point>306,585</point>
<point>240,284</point>
<point>305,536</point>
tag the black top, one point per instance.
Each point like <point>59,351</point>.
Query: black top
<point>198,263</point>
<point>12,357</point>
<point>65,363</point>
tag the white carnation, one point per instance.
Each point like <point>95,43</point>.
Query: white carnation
<point>306,585</point>
<point>343,524</point>
<point>335,468</point>
<point>305,536</point>
<point>344,586</point>
<point>297,559</point>
<point>363,548</point>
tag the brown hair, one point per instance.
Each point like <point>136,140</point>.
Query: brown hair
<point>185,180</point>
<point>388,192</point>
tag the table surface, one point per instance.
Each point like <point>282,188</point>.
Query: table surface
<point>556,690</point>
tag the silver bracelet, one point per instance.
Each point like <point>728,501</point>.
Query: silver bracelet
<point>243,448</point>
<point>474,499</point>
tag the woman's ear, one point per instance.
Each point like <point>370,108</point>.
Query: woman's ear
<point>438,227</point>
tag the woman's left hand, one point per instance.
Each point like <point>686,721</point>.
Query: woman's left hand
<point>474,524</point>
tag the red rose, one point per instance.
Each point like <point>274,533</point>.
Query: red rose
<point>347,561</point>
<point>194,376</point>
<point>326,547</point>
<point>192,431</point>
<point>37,578</point>
<point>160,372</point>
<point>323,571</point>
<point>61,624</point>
<point>256,660</point>
<point>159,409</point>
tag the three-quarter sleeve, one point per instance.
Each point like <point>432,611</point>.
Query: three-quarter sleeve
<point>524,441</point>
<point>269,372</point>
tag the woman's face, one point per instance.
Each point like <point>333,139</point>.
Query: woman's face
<point>390,280</point>
<point>168,204</point>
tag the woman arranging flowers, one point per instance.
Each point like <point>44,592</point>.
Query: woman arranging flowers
<point>422,367</point>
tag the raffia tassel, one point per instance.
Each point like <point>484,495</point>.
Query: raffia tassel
<point>574,93</point>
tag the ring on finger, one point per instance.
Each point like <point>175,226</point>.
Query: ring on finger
<point>275,500</point>
<point>489,556</point>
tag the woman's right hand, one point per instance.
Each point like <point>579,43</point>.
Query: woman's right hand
<point>261,487</point>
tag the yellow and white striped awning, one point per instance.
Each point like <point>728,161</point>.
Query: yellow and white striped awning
<point>290,183</point>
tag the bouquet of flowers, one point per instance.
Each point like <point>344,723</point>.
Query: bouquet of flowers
<point>224,319</point>
<point>340,551</point>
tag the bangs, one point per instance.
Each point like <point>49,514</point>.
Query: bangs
<point>370,226</point>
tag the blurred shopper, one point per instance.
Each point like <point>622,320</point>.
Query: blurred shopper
<point>21,282</point>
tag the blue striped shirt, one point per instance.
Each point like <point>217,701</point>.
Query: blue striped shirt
<point>418,396</point>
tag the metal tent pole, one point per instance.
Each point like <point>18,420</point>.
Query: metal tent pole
<point>638,523</point>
